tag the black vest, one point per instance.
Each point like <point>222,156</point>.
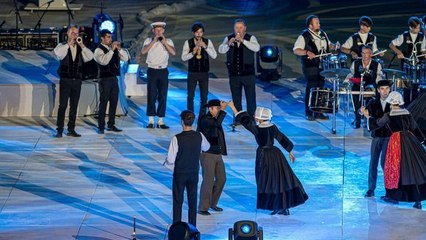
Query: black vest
<point>240,60</point>
<point>370,75</point>
<point>69,68</point>
<point>311,47</point>
<point>112,69</point>
<point>198,65</point>
<point>376,111</point>
<point>357,42</point>
<point>189,149</point>
<point>408,44</point>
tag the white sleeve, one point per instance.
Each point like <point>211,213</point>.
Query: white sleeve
<point>173,149</point>
<point>124,55</point>
<point>87,54</point>
<point>375,49</point>
<point>170,42</point>
<point>186,54</point>
<point>252,44</point>
<point>349,43</point>
<point>210,50</point>
<point>300,43</point>
<point>379,73</point>
<point>205,145</point>
<point>101,57</point>
<point>223,48</point>
<point>61,51</point>
<point>398,41</point>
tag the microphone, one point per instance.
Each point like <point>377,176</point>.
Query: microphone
<point>2,23</point>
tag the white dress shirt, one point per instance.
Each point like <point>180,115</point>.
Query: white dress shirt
<point>174,148</point>
<point>187,53</point>
<point>61,52</point>
<point>104,58</point>
<point>349,43</point>
<point>252,44</point>
<point>320,43</point>
<point>158,56</point>
<point>379,74</point>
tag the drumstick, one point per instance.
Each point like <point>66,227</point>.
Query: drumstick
<point>377,53</point>
<point>322,55</point>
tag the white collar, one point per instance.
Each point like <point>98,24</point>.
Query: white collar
<point>398,112</point>
<point>265,124</point>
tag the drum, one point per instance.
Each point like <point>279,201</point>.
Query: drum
<point>416,74</point>
<point>334,62</point>
<point>321,100</point>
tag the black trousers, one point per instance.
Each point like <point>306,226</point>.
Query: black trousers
<point>202,78</point>
<point>157,87</point>
<point>180,182</point>
<point>237,83</point>
<point>313,79</point>
<point>69,89</point>
<point>108,91</point>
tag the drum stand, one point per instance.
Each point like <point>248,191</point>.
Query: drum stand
<point>335,98</point>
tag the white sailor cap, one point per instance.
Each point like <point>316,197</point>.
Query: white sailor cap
<point>158,24</point>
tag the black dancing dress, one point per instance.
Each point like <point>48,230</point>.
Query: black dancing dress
<point>277,185</point>
<point>405,164</point>
<point>418,110</point>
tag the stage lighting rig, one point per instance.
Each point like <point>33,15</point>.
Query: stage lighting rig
<point>269,63</point>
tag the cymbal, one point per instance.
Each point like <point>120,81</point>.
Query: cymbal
<point>393,71</point>
<point>338,72</point>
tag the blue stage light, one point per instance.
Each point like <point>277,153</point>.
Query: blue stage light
<point>103,21</point>
<point>245,228</point>
<point>269,52</point>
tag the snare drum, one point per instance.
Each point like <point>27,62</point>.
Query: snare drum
<point>321,100</point>
<point>334,62</point>
<point>416,74</point>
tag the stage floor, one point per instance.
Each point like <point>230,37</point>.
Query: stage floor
<point>92,187</point>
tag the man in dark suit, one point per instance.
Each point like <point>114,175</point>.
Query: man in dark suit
<point>375,110</point>
<point>212,165</point>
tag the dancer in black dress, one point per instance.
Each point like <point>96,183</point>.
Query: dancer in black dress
<point>417,110</point>
<point>278,188</point>
<point>405,164</point>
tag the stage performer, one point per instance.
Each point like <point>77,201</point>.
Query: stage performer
<point>158,49</point>
<point>278,188</point>
<point>184,152</point>
<point>73,55</point>
<point>311,43</point>
<point>197,52</point>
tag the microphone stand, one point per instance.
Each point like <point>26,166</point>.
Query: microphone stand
<point>69,12</point>
<point>121,26</point>
<point>18,20</point>
<point>38,24</point>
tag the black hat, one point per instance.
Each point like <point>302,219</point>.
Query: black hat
<point>213,103</point>
<point>384,83</point>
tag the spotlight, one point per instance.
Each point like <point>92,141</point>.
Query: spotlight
<point>103,21</point>
<point>245,230</point>
<point>183,231</point>
<point>269,63</point>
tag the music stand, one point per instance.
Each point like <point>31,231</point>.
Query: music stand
<point>38,24</point>
<point>18,20</point>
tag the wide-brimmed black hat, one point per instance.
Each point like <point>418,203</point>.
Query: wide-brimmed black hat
<point>213,103</point>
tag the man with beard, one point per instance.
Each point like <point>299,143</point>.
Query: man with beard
<point>197,51</point>
<point>312,42</point>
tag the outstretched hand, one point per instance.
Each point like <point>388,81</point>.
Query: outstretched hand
<point>292,157</point>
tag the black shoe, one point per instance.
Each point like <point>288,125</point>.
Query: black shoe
<point>217,209</point>
<point>204,213</point>
<point>162,126</point>
<point>58,135</point>
<point>321,116</point>
<point>284,212</point>
<point>310,118</point>
<point>389,200</point>
<point>417,205</point>
<point>150,125</point>
<point>369,193</point>
<point>275,212</point>
<point>100,131</point>
<point>114,129</point>
<point>73,134</point>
